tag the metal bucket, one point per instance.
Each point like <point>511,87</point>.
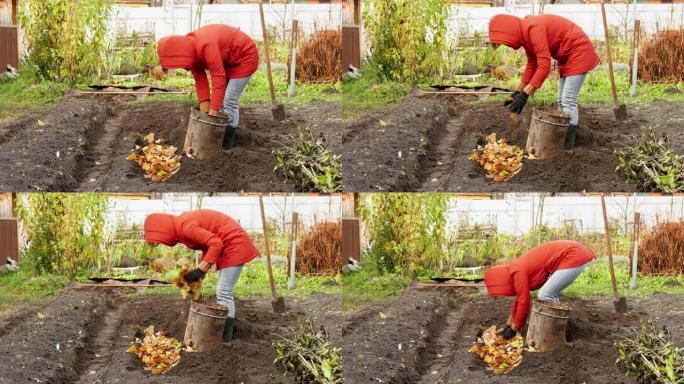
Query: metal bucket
<point>204,329</point>
<point>204,136</point>
<point>546,137</point>
<point>548,326</point>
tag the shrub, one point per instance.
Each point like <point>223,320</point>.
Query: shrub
<point>661,249</point>
<point>319,57</point>
<point>319,250</point>
<point>661,58</point>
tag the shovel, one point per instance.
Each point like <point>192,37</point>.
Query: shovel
<point>278,110</point>
<point>620,110</point>
<point>277,302</point>
<point>620,302</point>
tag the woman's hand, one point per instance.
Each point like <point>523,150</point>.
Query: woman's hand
<point>205,106</point>
<point>213,112</point>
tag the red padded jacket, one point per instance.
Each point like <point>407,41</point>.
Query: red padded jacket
<point>531,270</point>
<point>221,239</point>
<point>544,37</point>
<point>225,51</point>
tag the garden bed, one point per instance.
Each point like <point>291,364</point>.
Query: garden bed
<point>424,337</point>
<point>82,144</point>
<point>94,330</point>
<point>424,145</point>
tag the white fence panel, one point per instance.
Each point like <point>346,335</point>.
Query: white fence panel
<point>471,20</point>
<point>178,20</point>
<point>244,209</point>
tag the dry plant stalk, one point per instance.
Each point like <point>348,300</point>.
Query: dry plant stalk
<point>661,58</point>
<point>500,355</point>
<point>319,250</point>
<point>661,250</point>
<point>193,289</point>
<point>158,161</point>
<point>319,57</point>
<point>156,351</point>
<point>500,160</point>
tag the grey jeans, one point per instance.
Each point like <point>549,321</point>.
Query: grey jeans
<point>568,91</point>
<point>227,278</point>
<point>558,281</point>
<point>231,102</point>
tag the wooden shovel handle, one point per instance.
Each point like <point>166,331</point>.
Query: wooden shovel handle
<point>266,246</point>
<point>609,247</point>
<point>268,54</point>
<point>608,54</point>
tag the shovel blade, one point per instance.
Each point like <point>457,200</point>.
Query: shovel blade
<point>620,112</point>
<point>278,304</point>
<point>620,304</point>
<point>279,112</point>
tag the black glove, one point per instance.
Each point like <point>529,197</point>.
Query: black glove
<point>508,333</point>
<point>509,99</point>
<point>518,103</point>
<point>194,275</point>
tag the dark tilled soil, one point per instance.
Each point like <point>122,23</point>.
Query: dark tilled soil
<point>436,134</point>
<point>441,355</point>
<point>94,136</point>
<point>47,344</point>
<point>44,152</point>
<point>94,336</point>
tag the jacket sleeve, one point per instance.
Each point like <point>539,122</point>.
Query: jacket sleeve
<point>212,57</point>
<point>530,67</point>
<point>542,55</point>
<point>201,84</point>
<point>198,235</point>
<point>521,307</point>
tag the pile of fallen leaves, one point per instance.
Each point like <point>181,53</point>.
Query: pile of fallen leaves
<point>651,164</point>
<point>309,356</point>
<point>651,357</point>
<point>158,161</point>
<point>156,351</point>
<point>500,355</point>
<point>193,289</point>
<point>500,160</point>
<point>309,165</point>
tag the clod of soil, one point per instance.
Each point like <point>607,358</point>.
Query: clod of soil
<point>424,144</point>
<point>436,330</point>
<point>93,338</point>
<point>82,144</point>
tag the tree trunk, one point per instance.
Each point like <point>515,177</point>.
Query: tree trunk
<point>204,330</point>
<point>546,138</point>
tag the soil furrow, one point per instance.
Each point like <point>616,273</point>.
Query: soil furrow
<point>100,349</point>
<point>443,156</point>
<point>443,348</point>
<point>100,158</point>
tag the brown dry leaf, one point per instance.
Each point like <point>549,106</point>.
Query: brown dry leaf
<point>156,351</point>
<point>500,160</point>
<point>500,355</point>
<point>193,289</point>
<point>158,161</point>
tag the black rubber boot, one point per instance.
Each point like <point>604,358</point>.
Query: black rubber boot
<point>228,329</point>
<point>570,137</point>
<point>229,138</point>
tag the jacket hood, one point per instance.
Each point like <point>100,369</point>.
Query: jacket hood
<point>506,30</point>
<point>176,52</point>
<point>159,228</point>
<point>499,281</point>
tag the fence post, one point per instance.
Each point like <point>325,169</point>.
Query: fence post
<point>635,251</point>
<point>293,251</point>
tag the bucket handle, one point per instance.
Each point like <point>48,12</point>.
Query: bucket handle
<point>208,122</point>
<point>550,315</point>
<point>549,122</point>
<point>208,315</point>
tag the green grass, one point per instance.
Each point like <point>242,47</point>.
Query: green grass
<point>22,287</point>
<point>368,93</point>
<point>257,91</point>
<point>25,92</point>
<point>595,281</point>
<point>365,286</point>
